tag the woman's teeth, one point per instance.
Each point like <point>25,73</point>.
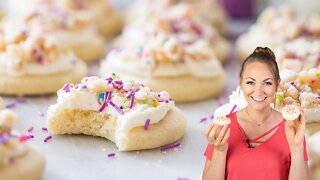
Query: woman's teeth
<point>258,98</point>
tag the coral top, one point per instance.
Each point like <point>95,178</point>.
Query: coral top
<point>270,160</point>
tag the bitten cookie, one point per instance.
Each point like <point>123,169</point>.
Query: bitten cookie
<point>124,112</point>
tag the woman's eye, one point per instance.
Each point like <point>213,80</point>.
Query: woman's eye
<point>268,83</point>
<point>249,82</point>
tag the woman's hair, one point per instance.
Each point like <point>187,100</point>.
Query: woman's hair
<point>263,55</point>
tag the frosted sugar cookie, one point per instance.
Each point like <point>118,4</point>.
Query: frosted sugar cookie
<point>299,54</point>
<point>100,12</point>
<point>18,159</point>
<point>35,64</point>
<point>178,21</point>
<point>276,26</point>
<point>124,112</point>
<point>73,30</point>
<point>221,120</point>
<point>209,10</point>
<point>187,72</point>
<point>291,112</point>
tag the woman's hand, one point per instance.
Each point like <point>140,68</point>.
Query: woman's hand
<point>295,131</point>
<point>218,136</point>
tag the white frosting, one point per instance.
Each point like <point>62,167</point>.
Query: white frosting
<point>135,117</point>
<point>60,65</point>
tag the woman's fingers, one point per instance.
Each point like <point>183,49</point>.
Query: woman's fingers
<point>226,137</point>
<point>206,133</point>
<point>211,136</point>
<point>221,135</point>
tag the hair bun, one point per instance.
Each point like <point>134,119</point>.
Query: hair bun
<point>264,52</point>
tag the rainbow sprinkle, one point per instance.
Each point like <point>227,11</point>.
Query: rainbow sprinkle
<point>111,155</point>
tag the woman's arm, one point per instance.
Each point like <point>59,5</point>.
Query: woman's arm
<point>299,167</point>
<point>215,168</point>
<point>295,131</point>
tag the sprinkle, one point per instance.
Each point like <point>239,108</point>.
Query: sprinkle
<point>234,107</point>
<point>109,79</point>
<point>47,139</point>
<point>118,84</point>
<point>111,155</point>
<point>318,97</point>
<point>203,120</point>
<point>313,81</point>
<point>66,87</point>
<point>292,83</point>
<point>30,129</point>
<point>41,114</point>
<point>212,116</point>
<point>21,100</point>
<point>170,146</point>
<point>44,129</point>
<point>106,99</point>
<point>10,106</point>
<point>24,138</point>
<point>116,107</point>
<point>180,178</point>
<point>318,74</point>
<point>4,138</point>
<point>280,97</point>
<point>146,125</point>
<point>131,101</point>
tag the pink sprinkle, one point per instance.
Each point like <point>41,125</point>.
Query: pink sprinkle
<point>10,106</point>
<point>203,120</point>
<point>30,129</point>
<point>234,107</point>
<point>24,138</point>
<point>146,125</point>
<point>111,155</point>
<point>44,129</point>
<point>318,97</point>
<point>47,139</point>
<point>170,146</point>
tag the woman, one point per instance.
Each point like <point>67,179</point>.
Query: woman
<point>259,143</point>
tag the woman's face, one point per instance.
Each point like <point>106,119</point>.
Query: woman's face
<point>258,85</point>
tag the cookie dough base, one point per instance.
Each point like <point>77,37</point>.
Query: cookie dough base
<point>28,167</point>
<point>166,131</point>
<point>40,84</point>
<point>181,89</point>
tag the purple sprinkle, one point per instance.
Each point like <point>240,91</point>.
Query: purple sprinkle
<point>74,61</point>
<point>111,155</point>
<point>10,105</point>
<point>212,117</point>
<point>118,84</point>
<point>146,125</point>
<point>318,97</point>
<point>131,101</point>
<point>203,120</point>
<point>47,139</point>
<point>66,88</point>
<point>234,107</point>
<point>21,100</point>
<point>106,99</point>
<point>41,114</point>
<point>180,178</point>
<point>30,129</point>
<point>44,129</point>
<point>170,146</point>
<point>109,79</point>
<point>116,107</point>
<point>4,138</point>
